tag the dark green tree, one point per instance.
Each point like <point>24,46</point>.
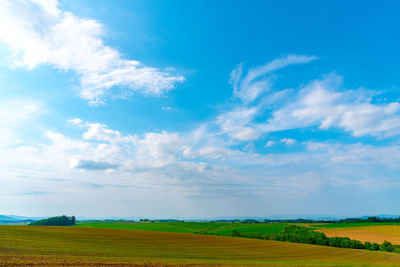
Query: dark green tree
<point>387,246</point>
<point>56,221</point>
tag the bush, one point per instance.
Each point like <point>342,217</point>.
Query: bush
<point>387,246</point>
<point>236,233</point>
<point>371,246</point>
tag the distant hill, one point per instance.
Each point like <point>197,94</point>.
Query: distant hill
<point>7,218</point>
<point>10,219</point>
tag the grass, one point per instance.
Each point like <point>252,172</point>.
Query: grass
<point>176,227</point>
<point>262,228</point>
<point>190,227</point>
<point>89,246</point>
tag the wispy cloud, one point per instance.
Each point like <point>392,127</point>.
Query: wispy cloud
<point>322,103</point>
<point>255,92</point>
<point>256,81</point>
<point>38,32</point>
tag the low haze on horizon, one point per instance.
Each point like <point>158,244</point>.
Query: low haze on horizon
<point>182,109</point>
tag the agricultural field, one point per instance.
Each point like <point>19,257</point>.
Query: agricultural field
<point>90,246</point>
<point>373,232</point>
<point>351,224</point>
<point>176,227</point>
<point>190,227</point>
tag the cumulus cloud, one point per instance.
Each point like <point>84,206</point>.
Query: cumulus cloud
<point>158,149</point>
<point>38,32</point>
<point>110,149</point>
<point>158,166</point>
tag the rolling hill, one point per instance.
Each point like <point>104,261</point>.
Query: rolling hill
<point>79,246</point>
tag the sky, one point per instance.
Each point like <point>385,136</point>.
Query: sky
<point>199,109</point>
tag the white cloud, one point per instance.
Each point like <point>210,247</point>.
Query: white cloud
<point>159,166</point>
<point>237,124</point>
<point>321,103</point>
<point>210,165</point>
<point>38,32</point>
<point>159,149</point>
<point>100,132</point>
<point>249,87</point>
<point>270,144</point>
<point>288,141</point>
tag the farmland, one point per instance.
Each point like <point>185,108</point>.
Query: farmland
<point>190,227</point>
<point>371,232</point>
<point>352,224</point>
<point>40,245</point>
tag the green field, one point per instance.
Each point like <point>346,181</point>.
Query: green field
<point>190,227</point>
<point>87,246</point>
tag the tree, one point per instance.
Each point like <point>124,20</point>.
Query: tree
<point>236,233</point>
<point>56,221</point>
<point>387,246</point>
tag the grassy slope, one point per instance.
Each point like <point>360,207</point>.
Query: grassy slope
<point>190,227</point>
<point>90,246</point>
<point>262,228</point>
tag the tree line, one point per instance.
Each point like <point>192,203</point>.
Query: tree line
<point>56,221</point>
<point>301,234</point>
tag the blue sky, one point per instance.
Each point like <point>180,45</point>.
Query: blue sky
<point>199,108</point>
